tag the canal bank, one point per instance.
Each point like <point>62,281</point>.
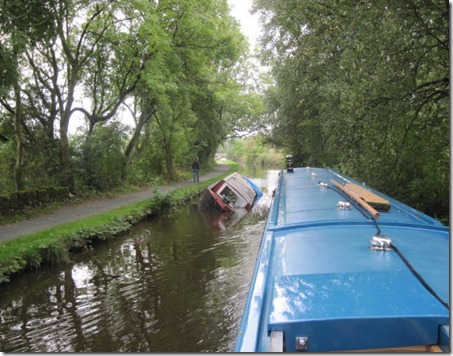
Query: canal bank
<point>175,283</point>
<point>51,239</point>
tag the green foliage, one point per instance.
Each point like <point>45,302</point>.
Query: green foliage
<point>254,150</point>
<point>13,203</point>
<point>363,86</point>
<point>100,155</point>
<point>6,166</point>
<point>55,245</point>
<point>147,167</point>
<point>9,267</point>
<point>22,22</point>
<point>156,61</point>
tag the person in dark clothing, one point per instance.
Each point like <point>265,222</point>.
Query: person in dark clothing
<point>196,170</point>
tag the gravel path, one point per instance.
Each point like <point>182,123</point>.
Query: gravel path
<point>83,210</point>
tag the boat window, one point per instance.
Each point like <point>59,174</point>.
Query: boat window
<point>228,196</point>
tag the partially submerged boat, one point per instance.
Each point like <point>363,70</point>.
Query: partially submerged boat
<point>221,221</point>
<point>231,192</point>
<point>342,267</point>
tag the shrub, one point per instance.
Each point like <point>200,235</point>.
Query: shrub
<point>54,246</point>
<point>16,202</point>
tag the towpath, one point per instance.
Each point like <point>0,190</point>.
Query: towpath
<point>86,209</point>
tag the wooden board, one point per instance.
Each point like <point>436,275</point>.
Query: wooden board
<point>421,348</point>
<point>374,200</point>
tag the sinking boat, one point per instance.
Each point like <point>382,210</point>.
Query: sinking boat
<point>232,192</point>
<point>343,267</point>
<point>221,221</point>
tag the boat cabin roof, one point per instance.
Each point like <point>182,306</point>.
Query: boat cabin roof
<point>319,278</point>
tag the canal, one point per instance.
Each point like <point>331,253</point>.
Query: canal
<point>175,284</point>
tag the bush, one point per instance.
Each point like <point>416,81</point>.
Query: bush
<point>15,202</point>
<point>4,204</point>
<point>54,246</point>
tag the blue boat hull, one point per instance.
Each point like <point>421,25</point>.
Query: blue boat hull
<point>319,285</point>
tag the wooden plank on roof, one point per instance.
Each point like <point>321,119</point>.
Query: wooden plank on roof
<point>420,348</point>
<point>371,198</point>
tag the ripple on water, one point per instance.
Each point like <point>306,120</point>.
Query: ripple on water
<point>167,277</point>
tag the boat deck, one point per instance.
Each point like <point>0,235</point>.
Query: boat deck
<point>318,285</point>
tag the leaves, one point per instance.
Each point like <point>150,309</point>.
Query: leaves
<point>361,85</point>
<point>99,60</point>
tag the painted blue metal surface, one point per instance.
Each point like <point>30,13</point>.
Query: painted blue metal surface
<point>257,190</point>
<point>316,276</point>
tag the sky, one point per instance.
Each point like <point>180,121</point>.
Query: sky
<point>240,9</point>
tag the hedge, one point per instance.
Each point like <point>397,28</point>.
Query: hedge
<point>13,203</point>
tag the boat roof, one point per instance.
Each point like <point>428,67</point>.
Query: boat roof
<point>241,187</point>
<point>318,278</point>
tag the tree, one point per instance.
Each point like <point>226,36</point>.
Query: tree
<point>363,86</point>
<point>21,24</point>
<point>172,64</point>
<point>101,159</point>
<point>204,44</point>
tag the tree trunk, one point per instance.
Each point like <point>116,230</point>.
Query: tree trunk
<point>144,119</point>
<point>67,177</point>
<point>169,161</point>
<point>20,149</point>
<point>169,155</point>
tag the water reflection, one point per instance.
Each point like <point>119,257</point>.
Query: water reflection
<point>221,221</point>
<point>169,285</point>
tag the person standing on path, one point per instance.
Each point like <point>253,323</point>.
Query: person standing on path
<point>78,211</point>
<point>196,170</point>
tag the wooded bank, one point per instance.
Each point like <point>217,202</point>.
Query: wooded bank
<point>359,86</point>
<point>363,86</point>
<point>54,246</point>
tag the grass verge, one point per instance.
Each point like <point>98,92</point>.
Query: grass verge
<point>55,245</point>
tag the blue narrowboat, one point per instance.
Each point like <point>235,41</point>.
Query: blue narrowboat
<point>343,267</point>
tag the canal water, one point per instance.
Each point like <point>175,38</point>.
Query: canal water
<point>176,284</point>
